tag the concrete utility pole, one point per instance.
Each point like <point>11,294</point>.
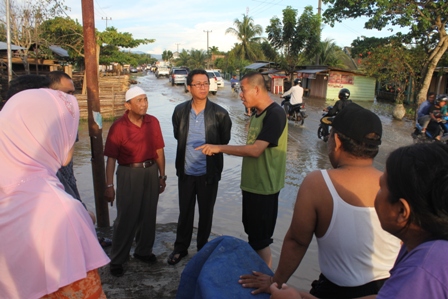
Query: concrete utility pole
<point>94,113</point>
<point>106,19</point>
<point>8,41</point>
<point>319,12</point>
<point>208,50</point>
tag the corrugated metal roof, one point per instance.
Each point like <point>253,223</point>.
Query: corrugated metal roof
<point>306,71</point>
<point>4,46</point>
<point>256,65</point>
<point>59,51</point>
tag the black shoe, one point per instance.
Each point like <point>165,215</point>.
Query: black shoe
<point>172,259</point>
<point>116,270</point>
<point>148,259</point>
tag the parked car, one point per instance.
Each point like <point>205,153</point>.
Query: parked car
<point>213,82</point>
<point>133,70</point>
<point>178,76</point>
<point>219,78</point>
<point>162,72</point>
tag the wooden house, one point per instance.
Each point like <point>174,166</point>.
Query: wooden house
<point>326,82</point>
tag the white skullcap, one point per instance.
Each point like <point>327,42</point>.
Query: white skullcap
<point>133,92</point>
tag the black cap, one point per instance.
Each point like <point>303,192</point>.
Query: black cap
<point>357,122</point>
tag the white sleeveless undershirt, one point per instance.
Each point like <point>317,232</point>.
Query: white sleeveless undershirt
<point>355,249</point>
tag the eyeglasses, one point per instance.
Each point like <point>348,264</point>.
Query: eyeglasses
<point>200,85</point>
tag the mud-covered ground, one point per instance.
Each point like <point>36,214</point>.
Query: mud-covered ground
<point>141,281</point>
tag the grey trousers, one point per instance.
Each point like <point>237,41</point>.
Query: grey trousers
<point>137,197</point>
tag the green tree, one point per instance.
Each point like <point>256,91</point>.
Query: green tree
<point>198,59</point>
<point>167,55</point>
<point>269,52</point>
<point>394,66</point>
<point>65,32</point>
<point>330,54</point>
<point>296,38</point>
<point>214,50</point>
<point>25,20</point>
<point>68,34</point>
<point>183,59</point>
<point>425,20</point>
<point>361,46</point>
<point>247,34</point>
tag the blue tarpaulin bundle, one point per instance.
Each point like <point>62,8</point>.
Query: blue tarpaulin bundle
<point>214,271</point>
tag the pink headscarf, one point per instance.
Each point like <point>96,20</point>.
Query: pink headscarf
<point>47,239</point>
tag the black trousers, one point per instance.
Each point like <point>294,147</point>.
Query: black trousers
<point>190,189</point>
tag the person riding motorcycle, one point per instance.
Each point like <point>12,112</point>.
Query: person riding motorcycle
<point>233,80</point>
<point>296,96</point>
<point>344,95</point>
<point>437,122</point>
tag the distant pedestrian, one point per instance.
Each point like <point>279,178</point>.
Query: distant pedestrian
<point>264,163</point>
<point>196,122</point>
<point>135,141</point>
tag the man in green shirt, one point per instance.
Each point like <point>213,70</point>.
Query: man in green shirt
<point>264,163</point>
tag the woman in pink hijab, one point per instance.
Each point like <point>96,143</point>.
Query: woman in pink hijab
<point>48,245</point>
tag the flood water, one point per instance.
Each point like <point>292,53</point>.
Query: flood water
<point>305,153</point>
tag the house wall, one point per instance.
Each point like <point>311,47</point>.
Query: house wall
<point>441,82</point>
<point>317,88</point>
<point>361,88</point>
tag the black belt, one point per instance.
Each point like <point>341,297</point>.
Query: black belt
<point>145,164</point>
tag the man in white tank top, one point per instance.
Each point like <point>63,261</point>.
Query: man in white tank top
<point>337,206</point>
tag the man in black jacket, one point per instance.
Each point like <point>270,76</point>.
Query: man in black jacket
<point>197,122</point>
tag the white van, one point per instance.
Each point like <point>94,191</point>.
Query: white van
<point>213,89</point>
<point>219,78</point>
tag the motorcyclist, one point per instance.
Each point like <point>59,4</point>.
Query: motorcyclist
<point>344,95</point>
<point>436,124</point>
<point>423,117</point>
<point>296,93</point>
<point>233,80</point>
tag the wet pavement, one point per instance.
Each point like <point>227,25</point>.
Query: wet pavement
<point>305,153</point>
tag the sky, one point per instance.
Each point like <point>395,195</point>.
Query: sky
<point>176,25</point>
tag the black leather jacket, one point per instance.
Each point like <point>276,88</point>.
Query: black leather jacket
<point>217,131</point>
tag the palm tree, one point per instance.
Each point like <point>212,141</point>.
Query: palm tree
<point>214,50</point>
<point>248,35</point>
<point>184,56</point>
<point>197,59</point>
<point>330,54</point>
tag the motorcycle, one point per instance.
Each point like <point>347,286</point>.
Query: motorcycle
<point>236,88</point>
<point>323,131</point>
<point>294,112</point>
<point>429,136</point>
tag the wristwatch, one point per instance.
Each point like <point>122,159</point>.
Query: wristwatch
<point>164,177</point>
